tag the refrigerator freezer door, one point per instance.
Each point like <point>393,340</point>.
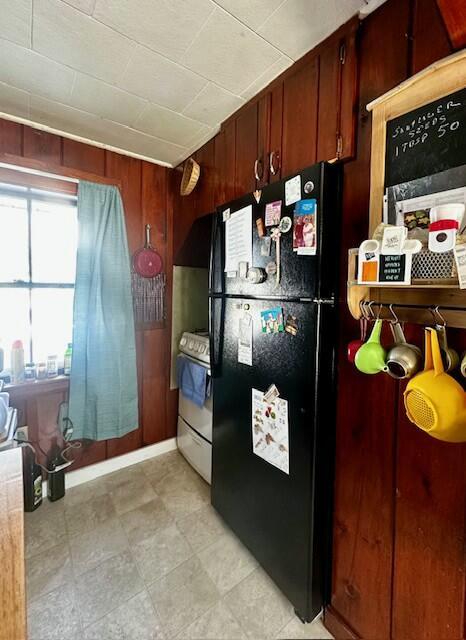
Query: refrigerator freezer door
<point>300,275</point>
<point>278,516</point>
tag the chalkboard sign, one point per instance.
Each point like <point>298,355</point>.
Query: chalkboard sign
<point>427,140</point>
<point>392,268</point>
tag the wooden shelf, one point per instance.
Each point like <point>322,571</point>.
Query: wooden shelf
<point>411,302</point>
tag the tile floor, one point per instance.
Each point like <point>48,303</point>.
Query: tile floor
<point>141,555</point>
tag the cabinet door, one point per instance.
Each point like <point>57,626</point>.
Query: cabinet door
<point>274,159</point>
<point>261,168</point>
<point>269,136</point>
<point>349,93</point>
<point>329,103</point>
<point>337,99</point>
<point>300,105</point>
<point>246,150</point>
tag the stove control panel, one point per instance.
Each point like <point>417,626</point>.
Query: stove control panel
<point>196,346</point>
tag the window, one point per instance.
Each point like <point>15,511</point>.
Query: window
<point>38,240</point>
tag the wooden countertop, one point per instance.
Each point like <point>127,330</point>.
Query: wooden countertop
<point>12,581</point>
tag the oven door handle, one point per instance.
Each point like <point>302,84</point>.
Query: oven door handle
<point>199,362</point>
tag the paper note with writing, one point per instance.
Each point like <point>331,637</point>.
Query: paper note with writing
<point>245,339</point>
<point>460,258</point>
<point>292,190</point>
<point>238,238</point>
<point>270,440</point>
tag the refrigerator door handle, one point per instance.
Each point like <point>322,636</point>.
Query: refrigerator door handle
<point>214,330</point>
<point>213,246</point>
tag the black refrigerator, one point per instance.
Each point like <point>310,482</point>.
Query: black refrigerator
<point>274,377</point>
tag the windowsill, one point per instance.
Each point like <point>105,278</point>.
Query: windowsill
<point>32,387</point>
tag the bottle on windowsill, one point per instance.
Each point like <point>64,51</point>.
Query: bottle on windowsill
<point>17,362</point>
<point>67,359</point>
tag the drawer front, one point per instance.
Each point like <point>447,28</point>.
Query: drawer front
<point>195,449</point>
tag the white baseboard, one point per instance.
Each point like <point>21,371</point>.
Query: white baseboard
<point>93,471</point>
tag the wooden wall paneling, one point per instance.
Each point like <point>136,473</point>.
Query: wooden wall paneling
<point>276,131</point>
<point>349,92</point>
<point>184,212</point>
<point>429,563</point>
<point>12,580</point>
<point>43,146</point>
<point>156,341</point>
<point>204,192</point>
<point>300,109</point>
<point>430,38</point>
<point>365,455</point>
<point>90,452</point>
<point>363,519</point>
<point>454,17</point>
<point>224,161</point>
<point>264,116</point>
<point>329,102</point>
<point>11,137</point>
<point>83,156</point>
<point>128,172</point>
<point>246,152</point>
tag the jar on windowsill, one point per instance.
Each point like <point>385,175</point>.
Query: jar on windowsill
<point>52,366</point>
<point>41,371</point>
<point>29,372</point>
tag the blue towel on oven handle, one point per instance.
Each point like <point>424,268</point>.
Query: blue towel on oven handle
<point>192,380</point>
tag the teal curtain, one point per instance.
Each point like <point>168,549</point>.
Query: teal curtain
<point>103,399</point>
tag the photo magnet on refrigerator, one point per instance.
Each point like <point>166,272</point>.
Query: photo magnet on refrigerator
<point>291,325</point>
<point>272,320</point>
<point>273,212</point>
<point>292,190</point>
<point>305,227</point>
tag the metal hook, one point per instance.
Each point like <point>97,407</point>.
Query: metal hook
<point>395,320</point>
<point>362,309</point>
<point>369,307</point>
<point>435,311</point>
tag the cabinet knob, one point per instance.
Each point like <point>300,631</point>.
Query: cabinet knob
<point>258,165</point>
<point>274,162</point>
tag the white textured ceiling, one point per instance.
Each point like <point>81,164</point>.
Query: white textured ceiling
<point>150,77</point>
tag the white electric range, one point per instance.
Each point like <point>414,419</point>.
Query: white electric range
<point>194,436</point>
